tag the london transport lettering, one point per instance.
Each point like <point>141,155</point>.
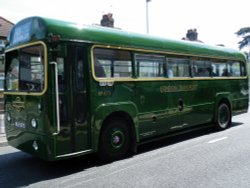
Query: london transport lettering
<point>168,89</point>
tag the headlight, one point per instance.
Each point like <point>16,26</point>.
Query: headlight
<point>33,123</point>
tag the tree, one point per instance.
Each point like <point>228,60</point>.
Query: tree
<point>245,34</point>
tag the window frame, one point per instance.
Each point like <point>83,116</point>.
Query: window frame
<point>164,55</point>
<point>147,59</point>
<point>178,60</point>
<point>31,69</point>
<point>111,74</point>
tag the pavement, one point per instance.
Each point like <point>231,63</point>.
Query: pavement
<point>3,141</point>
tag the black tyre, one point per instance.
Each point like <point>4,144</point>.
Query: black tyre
<point>224,116</point>
<point>114,140</point>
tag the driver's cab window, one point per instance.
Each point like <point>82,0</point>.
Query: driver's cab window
<point>12,75</point>
<point>25,69</point>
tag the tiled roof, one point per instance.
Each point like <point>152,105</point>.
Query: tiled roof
<point>5,27</point>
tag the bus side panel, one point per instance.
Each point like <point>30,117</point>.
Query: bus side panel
<point>240,96</point>
<point>158,107</point>
<point>236,92</point>
<point>108,100</point>
<point>198,102</point>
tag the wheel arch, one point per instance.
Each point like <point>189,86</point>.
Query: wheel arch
<point>222,100</point>
<point>103,114</point>
<point>226,101</point>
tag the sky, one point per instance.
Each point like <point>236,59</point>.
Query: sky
<point>215,20</point>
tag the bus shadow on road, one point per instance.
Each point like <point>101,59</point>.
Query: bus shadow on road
<point>235,124</point>
<point>28,170</point>
<point>171,140</point>
<point>19,169</point>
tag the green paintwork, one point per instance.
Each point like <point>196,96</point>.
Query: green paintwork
<point>152,107</point>
<point>116,37</point>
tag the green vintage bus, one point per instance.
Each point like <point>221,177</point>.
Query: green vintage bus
<point>72,89</point>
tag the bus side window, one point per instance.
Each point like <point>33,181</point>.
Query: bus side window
<point>224,70</point>
<point>170,72</point>
<point>214,70</point>
<point>243,69</point>
<point>62,87</point>
<point>235,69</point>
<point>112,63</point>
<point>178,67</point>
<point>99,70</point>
<point>79,78</point>
<point>150,66</point>
<point>202,68</point>
<point>61,76</point>
<point>79,74</point>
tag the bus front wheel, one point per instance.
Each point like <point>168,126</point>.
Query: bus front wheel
<point>224,117</point>
<point>114,140</point>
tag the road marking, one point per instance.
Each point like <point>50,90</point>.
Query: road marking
<point>217,140</point>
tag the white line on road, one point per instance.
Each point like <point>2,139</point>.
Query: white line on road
<point>217,140</point>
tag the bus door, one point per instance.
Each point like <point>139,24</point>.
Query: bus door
<point>74,134</point>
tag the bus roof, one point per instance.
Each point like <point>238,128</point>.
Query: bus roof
<point>37,28</point>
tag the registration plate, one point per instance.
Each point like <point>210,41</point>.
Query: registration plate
<point>20,125</point>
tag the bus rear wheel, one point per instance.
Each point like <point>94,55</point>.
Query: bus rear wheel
<point>114,140</point>
<point>224,117</point>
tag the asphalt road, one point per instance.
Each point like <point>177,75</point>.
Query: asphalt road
<point>202,159</point>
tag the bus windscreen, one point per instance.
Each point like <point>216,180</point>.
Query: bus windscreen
<point>25,71</point>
